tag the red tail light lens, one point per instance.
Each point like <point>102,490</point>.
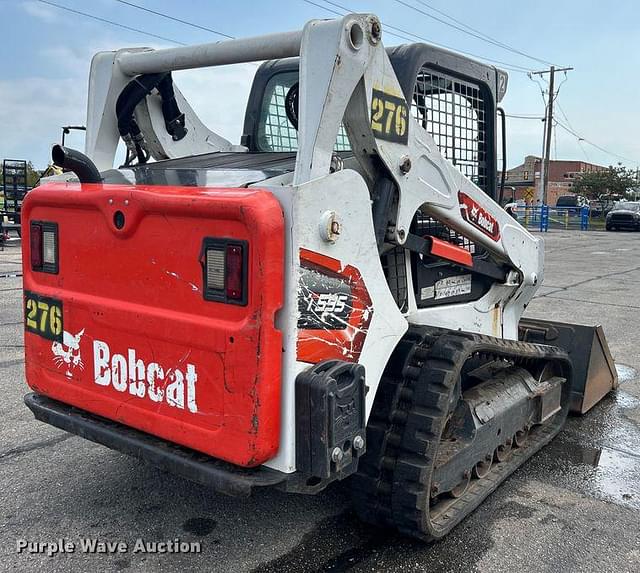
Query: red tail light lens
<point>233,268</point>
<point>224,266</point>
<point>35,246</point>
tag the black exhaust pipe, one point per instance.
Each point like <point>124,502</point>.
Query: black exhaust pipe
<point>77,162</point>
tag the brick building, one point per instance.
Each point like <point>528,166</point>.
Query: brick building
<point>522,181</point>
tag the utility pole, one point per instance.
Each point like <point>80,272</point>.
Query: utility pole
<point>548,127</point>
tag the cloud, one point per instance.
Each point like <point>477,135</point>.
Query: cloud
<point>32,112</point>
<point>40,11</point>
<point>35,108</point>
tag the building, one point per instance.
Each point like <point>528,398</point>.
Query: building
<point>522,181</point>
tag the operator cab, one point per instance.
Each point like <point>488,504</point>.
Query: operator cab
<point>455,99</point>
<point>452,97</point>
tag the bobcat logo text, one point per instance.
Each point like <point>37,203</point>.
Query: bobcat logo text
<point>130,374</point>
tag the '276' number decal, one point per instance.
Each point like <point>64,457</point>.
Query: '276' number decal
<point>43,316</point>
<point>389,116</point>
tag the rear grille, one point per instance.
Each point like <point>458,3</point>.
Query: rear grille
<point>395,270</point>
<point>622,218</point>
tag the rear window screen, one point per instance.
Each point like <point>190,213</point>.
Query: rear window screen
<point>275,132</point>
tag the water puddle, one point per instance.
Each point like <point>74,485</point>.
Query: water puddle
<point>599,454</point>
<point>626,401</point>
<point>608,473</point>
<point>625,373</point>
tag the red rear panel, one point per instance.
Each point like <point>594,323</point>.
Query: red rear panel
<point>137,342</point>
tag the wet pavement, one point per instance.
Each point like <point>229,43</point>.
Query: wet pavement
<point>575,506</point>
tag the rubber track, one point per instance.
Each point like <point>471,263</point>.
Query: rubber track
<point>417,391</point>
<point>371,485</point>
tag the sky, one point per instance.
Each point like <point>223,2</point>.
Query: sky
<point>46,52</point>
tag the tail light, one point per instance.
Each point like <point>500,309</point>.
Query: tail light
<point>44,246</point>
<point>36,246</point>
<point>233,268</point>
<point>224,265</point>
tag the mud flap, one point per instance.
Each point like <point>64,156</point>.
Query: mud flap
<point>594,371</point>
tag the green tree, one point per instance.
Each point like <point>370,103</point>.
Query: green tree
<point>616,180</point>
<point>33,176</point>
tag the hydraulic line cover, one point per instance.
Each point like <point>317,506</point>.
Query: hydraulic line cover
<point>123,330</point>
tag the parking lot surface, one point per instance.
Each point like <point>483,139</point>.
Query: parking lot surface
<point>574,507</point>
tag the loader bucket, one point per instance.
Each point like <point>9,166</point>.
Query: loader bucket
<point>594,372</point>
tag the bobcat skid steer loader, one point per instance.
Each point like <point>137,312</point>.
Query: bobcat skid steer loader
<point>338,296</point>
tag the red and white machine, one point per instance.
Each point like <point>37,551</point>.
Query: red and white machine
<point>338,296</point>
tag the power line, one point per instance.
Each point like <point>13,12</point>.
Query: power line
<point>586,155</point>
<point>168,17</point>
<point>111,22</point>
<point>578,136</point>
<point>161,14</point>
<point>525,116</point>
<point>507,65</point>
<point>540,87</point>
<point>186,22</point>
<point>564,115</point>
<point>328,9</point>
<point>470,31</point>
<point>502,44</point>
<point>584,151</point>
<point>404,33</point>
<point>566,77</point>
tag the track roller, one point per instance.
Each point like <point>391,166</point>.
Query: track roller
<point>521,437</point>
<point>483,467</point>
<point>503,451</point>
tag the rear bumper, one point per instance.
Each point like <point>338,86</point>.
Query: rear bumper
<point>200,468</point>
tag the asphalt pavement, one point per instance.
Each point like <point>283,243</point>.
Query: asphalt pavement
<point>575,506</point>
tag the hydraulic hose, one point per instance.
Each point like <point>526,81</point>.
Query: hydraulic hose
<point>132,94</point>
<point>173,119</point>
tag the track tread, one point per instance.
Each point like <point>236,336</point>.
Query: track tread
<point>392,486</point>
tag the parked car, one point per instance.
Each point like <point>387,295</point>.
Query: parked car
<point>596,208</point>
<point>625,215</point>
<point>574,203</point>
<point>610,200</point>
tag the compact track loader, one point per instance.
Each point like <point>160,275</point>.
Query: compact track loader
<point>339,296</point>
